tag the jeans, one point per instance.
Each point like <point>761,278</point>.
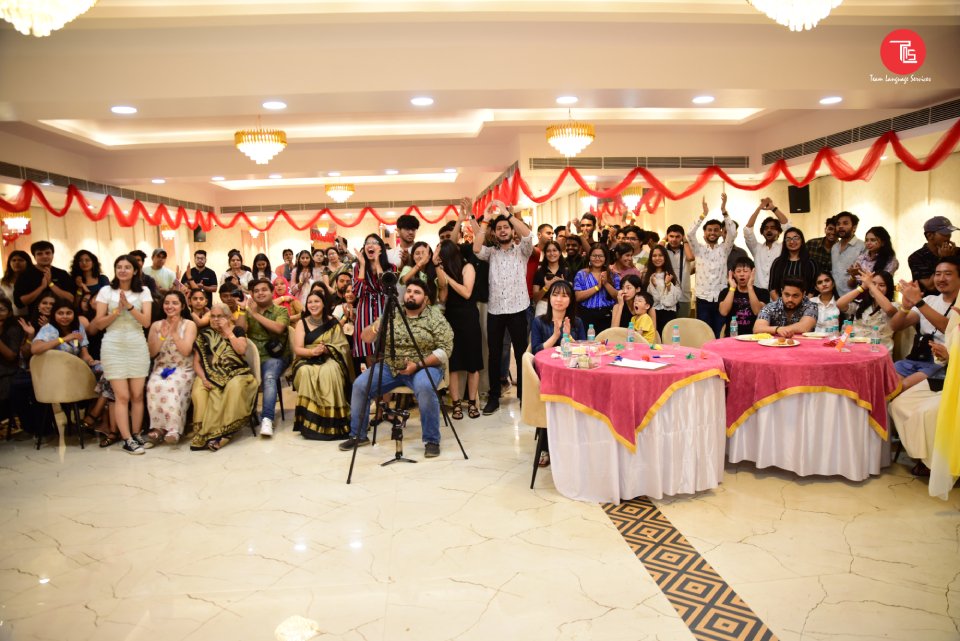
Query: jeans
<point>709,312</point>
<point>497,325</point>
<point>907,367</point>
<point>270,371</point>
<point>427,399</point>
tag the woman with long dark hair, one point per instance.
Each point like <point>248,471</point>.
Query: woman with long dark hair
<point>877,255</point>
<point>793,262</point>
<point>660,281</point>
<point>552,267</point>
<point>874,305</point>
<point>261,268</point>
<point>11,337</point>
<point>171,343</point>
<point>421,266</point>
<point>237,271</point>
<point>559,319</point>
<point>123,312</point>
<point>456,279</point>
<point>596,288</point>
<point>17,262</point>
<point>302,276</point>
<point>86,273</point>
<point>828,314</point>
<point>371,295</point>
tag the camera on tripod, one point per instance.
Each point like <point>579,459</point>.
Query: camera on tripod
<point>397,419</point>
<point>389,279</point>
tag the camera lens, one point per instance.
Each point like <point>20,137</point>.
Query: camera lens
<point>389,279</point>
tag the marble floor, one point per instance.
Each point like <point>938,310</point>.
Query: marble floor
<point>100,545</point>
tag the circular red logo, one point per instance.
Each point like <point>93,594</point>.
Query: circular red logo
<point>903,51</point>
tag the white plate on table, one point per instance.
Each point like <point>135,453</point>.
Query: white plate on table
<point>815,334</point>
<point>773,342</point>
<point>860,339</point>
<point>753,338</point>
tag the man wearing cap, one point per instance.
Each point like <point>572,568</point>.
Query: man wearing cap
<point>924,261</point>
<point>161,274</point>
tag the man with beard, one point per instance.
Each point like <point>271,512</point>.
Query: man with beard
<point>792,313</point>
<point>844,253</point>
<point>508,298</point>
<point>770,249</point>
<point>340,285</point>
<point>402,367</point>
<point>201,276</point>
<point>575,258</point>
<point>712,264</point>
<point>407,226</point>
<point>286,269</point>
<point>683,261</point>
<point>819,248</point>
<point>923,262</point>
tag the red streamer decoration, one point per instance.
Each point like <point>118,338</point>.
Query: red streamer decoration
<point>508,190</point>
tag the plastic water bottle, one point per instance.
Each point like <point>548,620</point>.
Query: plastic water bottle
<point>875,339</point>
<point>675,338</point>
<point>591,333</point>
<point>565,346</point>
<point>833,325</point>
<point>631,336</point>
<point>734,330</point>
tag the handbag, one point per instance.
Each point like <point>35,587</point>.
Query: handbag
<point>274,347</point>
<point>921,349</point>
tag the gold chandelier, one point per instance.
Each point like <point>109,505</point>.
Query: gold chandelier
<point>339,192</point>
<point>570,137</point>
<point>167,232</point>
<point>41,17</point>
<point>16,221</point>
<point>631,196</point>
<point>259,144</point>
<point>797,15</point>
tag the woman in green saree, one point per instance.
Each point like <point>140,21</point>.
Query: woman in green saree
<point>225,390</point>
<point>322,373</point>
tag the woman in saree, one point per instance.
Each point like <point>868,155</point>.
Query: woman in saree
<point>225,389</point>
<point>322,373</point>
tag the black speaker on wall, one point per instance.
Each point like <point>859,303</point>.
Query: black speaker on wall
<point>799,199</point>
<point>199,236</point>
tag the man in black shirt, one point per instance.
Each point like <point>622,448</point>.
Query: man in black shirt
<point>201,276</point>
<point>923,262</point>
<point>42,277</point>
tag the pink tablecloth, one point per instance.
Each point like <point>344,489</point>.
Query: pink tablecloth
<point>624,399</point>
<point>761,375</point>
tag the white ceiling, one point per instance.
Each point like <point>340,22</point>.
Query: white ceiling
<point>198,70</point>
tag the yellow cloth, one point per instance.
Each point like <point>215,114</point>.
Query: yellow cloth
<point>644,325</point>
<point>945,461</point>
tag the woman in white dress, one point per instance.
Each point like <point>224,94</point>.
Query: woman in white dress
<point>123,310</point>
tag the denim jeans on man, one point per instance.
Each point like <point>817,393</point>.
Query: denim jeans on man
<point>427,399</point>
<point>270,371</point>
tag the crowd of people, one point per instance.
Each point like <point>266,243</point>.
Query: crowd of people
<point>189,352</point>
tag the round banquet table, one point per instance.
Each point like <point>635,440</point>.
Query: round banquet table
<point>809,409</point>
<point>618,433</point>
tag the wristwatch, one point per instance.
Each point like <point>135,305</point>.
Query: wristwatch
<point>920,303</point>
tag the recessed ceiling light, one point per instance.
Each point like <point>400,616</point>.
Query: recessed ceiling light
<point>421,101</point>
<point>158,181</point>
<point>703,100</point>
<point>123,110</point>
<point>391,172</point>
<point>590,178</point>
<point>450,170</point>
<point>217,178</point>
<point>831,100</point>
<point>883,157</point>
<point>274,105</point>
<point>567,100</point>
<point>275,176</point>
<point>334,174</point>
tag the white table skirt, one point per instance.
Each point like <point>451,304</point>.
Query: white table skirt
<point>811,434</point>
<point>679,452</point>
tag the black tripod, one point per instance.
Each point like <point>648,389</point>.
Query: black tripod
<point>398,418</point>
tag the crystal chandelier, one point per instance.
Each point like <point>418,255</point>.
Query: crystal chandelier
<point>17,221</point>
<point>798,15</point>
<point>259,144</point>
<point>41,17</point>
<point>570,137</point>
<point>340,192</point>
<point>631,196</point>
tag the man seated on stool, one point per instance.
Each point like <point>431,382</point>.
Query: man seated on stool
<point>434,337</point>
<point>793,313</point>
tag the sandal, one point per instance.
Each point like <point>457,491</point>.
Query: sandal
<point>153,438</point>
<point>472,410</point>
<point>457,413</point>
<point>106,440</point>
<point>91,421</point>
<point>217,444</point>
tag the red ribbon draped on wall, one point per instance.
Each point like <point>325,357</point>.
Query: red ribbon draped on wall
<point>508,190</point>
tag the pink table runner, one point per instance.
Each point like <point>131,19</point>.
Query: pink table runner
<point>761,375</point>
<point>625,399</point>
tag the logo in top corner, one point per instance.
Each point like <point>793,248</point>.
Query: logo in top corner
<point>903,51</point>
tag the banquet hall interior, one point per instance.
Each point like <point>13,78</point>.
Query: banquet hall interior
<point>119,131</point>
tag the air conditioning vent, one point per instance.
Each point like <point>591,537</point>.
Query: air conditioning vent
<point>13,171</point>
<point>911,120</point>
<point>875,129</point>
<point>548,163</point>
<point>946,111</point>
<point>587,163</point>
<point>842,138</point>
<point>696,162</point>
<point>621,162</point>
<point>663,162</point>
<point>794,151</point>
<point>813,146</point>
<point>732,162</point>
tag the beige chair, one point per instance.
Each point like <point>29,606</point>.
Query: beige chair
<point>533,411</point>
<point>255,354</point>
<point>903,342</point>
<point>443,384</point>
<point>693,332</point>
<point>619,335</point>
<point>59,377</point>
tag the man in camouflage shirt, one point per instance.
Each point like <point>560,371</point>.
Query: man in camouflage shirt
<point>434,336</point>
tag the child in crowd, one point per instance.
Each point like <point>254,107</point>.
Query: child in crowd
<point>642,322</point>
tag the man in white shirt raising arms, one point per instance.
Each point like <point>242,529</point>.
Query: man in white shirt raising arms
<point>769,250</point>
<point>712,264</point>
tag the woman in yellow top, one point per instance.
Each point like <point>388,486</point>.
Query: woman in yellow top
<point>641,321</point>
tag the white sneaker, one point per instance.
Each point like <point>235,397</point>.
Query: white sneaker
<point>266,427</point>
